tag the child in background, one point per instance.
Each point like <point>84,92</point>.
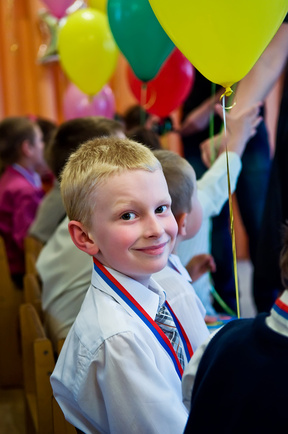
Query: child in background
<point>21,153</point>
<point>237,375</point>
<point>117,371</point>
<point>208,193</point>
<point>143,135</point>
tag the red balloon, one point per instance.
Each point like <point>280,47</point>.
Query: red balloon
<point>168,89</point>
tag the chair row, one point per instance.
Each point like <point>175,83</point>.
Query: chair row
<point>43,415</point>
<point>10,299</point>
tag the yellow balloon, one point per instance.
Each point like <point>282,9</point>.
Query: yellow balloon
<point>222,38</point>
<point>87,51</point>
<point>101,5</point>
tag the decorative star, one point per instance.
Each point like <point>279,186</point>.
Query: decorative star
<point>49,29</point>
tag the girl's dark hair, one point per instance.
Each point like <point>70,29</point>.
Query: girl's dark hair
<point>13,132</point>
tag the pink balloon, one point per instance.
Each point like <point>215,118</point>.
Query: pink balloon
<point>77,104</point>
<point>58,7</point>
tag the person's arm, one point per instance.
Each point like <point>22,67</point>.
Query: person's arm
<point>199,265</point>
<point>240,128</point>
<point>198,119</point>
<point>256,85</point>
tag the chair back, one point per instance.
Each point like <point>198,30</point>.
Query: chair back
<point>10,300</point>
<point>32,293</point>
<point>38,364</point>
<point>32,248</point>
<point>44,415</point>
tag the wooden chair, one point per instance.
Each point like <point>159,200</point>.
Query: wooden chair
<point>61,426</point>
<point>43,414</point>
<point>10,300</point>
<point>32,248</point>
<point>32,293</point>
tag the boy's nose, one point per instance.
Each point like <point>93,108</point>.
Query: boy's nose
<point>153,227</point>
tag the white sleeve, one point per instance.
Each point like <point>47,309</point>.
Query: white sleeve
<point>191,370</point>
<point>122,390</point>
<point>213,186</point>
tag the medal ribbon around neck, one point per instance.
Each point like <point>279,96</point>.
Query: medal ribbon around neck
<point>143,315</point>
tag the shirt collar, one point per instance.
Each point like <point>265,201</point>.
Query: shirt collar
<point>175,263</point>
<point>32,177</point>
<point>149,298</point>
<point>278,318</point>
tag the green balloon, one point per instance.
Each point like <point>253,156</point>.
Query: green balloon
<point>139,36</point>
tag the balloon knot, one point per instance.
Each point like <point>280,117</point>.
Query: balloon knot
<point>228,92</point>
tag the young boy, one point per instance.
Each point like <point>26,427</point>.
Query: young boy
<point>117,371</point>
<point>21,153</point>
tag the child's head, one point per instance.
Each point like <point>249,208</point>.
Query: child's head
<point>134,116</point>
<point>147,137</point>
<point>181,181</point>
<point>117,199</point>
<point>73,133</point>
<point>21,140</point>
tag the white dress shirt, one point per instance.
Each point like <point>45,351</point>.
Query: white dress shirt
<point>113,375</point>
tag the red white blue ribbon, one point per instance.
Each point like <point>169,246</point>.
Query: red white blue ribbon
<point>143,315</point>
<point>281,308</point>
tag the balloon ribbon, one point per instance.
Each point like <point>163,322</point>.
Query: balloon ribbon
<point>231,211</point>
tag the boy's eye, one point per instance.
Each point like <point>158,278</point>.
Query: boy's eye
<point>128,216</point>
<point>161,209</point>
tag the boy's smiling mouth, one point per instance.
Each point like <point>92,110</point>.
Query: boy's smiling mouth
<point>156,249</point>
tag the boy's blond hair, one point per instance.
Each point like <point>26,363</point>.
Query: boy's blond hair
<point>95,161</point>
<point>178,173</point>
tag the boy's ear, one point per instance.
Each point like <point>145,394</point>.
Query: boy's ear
<point>26,148</point>
<point>181,220</point>
<point>81,238</point>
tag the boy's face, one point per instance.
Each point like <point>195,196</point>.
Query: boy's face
<point>132,225</point>
<point>194,217</point>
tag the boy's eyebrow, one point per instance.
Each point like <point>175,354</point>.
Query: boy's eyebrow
<point>136,202</point>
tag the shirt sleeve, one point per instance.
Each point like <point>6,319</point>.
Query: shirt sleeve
<point>125,390</point>
<point>189,374</point>
<point>213,185</point>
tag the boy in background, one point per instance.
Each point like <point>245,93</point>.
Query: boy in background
<point>193,203</point>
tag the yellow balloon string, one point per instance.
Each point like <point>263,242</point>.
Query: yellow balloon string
<point>231,212</point>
